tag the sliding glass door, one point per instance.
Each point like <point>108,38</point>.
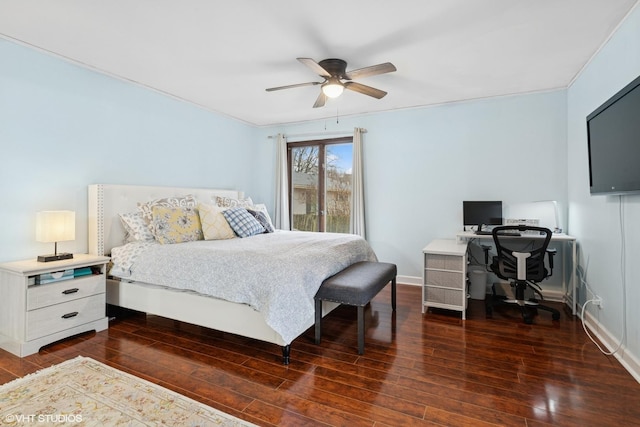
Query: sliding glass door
<point>320,184</point>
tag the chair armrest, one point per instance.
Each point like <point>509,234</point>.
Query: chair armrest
<point>550,254</point>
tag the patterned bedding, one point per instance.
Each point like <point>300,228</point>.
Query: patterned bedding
<point>275,273</point>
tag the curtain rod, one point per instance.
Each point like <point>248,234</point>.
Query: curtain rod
<point>298,135</point>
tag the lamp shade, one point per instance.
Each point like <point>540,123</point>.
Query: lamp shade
<point>55,226</point>
<point>333,88</point>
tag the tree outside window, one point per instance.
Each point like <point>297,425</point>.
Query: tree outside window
<point>320,185</point>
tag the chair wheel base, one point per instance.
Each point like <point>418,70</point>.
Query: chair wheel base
<point>529,308</point>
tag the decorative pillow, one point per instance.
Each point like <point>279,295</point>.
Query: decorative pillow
<point>260,207</point>
<point>229,202</point>
<point>242,222</point>
<point>146,209</point>
<point>176,225</point>
<point>136,227</point>
<point>262,219</point>
<point>214,224</point>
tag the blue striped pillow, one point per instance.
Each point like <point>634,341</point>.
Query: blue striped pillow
<point>262,219</point>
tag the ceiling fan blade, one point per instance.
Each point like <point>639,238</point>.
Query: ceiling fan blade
<point>322,99</point>
<point>314,66</point>
<point>366,90</point>
<point>271,89</point>
<point>373,70</point>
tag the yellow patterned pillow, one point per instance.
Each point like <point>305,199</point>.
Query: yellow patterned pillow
<point>146,209</point>
<point>176,225</point>
<point>214,224</point>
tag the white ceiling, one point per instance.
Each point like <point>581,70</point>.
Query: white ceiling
<point>222,55</point>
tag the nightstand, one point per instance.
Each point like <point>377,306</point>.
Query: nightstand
<point>43,302</point>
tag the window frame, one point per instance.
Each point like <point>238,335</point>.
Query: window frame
<point>322,147</point>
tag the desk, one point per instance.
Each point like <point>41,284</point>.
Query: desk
<point>568,241</point>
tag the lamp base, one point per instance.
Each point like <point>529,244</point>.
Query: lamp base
<point>54,257</point>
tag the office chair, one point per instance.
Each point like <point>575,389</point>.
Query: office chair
<point>520,261</point>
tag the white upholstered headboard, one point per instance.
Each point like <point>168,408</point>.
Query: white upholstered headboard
<point>106,201</point>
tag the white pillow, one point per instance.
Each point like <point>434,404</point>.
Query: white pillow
<point>230,202</point>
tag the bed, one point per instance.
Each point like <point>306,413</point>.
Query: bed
<point>274,302</point>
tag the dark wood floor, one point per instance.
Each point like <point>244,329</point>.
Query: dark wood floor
<point>431,369</point>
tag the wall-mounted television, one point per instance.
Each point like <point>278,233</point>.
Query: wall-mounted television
<point>613,132</point>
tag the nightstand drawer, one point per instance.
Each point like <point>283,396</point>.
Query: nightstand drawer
<point>59,317</point>
<point>59,292</point>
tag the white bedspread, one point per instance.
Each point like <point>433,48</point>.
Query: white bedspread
<point>276,273</point>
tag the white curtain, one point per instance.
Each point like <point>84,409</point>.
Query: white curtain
<point>282,186</point>
<point>357,225</point>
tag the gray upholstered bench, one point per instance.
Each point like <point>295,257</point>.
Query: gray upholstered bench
<point>356,285</point>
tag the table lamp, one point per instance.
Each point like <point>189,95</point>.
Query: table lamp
<point>55,226</point>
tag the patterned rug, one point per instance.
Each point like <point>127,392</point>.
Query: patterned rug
<point>83,391</point>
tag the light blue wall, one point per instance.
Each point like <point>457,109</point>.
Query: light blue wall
<point>420,164</point>
<point>596,220</point>
<point>63,127</point>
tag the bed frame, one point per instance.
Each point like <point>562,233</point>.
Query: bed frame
<point>105,232</point>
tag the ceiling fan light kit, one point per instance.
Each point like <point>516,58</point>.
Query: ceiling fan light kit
<point>333,88</point>
<point>333,71</point>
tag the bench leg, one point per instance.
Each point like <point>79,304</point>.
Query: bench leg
<point>361,329</point>
<point>318,320</point>
<point>393,294</point>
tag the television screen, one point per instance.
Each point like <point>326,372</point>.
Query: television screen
<point>613,132</point>
<point>481,213</point>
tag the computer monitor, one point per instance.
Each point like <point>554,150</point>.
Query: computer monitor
<point>477,214</point>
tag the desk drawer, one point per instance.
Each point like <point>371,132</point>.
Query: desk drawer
<point>446,279</point>
<point>68,290</point>
<point>444,296</point>
<point>56,318</point>
<point>444,262</point>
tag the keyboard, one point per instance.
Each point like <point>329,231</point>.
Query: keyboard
<point>509,233</point>
<point>502,233</point>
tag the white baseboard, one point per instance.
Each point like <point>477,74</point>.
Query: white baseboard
<point>557,296</point>
<point>629,361</point>
<point>549,295</point>
<point>409,280</point>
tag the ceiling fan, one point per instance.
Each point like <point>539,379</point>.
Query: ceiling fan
<point>334,73</point>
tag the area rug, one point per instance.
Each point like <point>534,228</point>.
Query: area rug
<point>82,391</point>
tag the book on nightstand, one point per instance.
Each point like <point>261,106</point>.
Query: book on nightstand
<point>84,271</point>
<point>55,276</point>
